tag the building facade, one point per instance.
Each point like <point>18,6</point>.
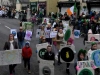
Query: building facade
<point>47,5</point>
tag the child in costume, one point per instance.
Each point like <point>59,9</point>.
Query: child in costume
<point>89,54</point>
<point>69,42</point>
<point>80,57</point>
<point>26,54</point>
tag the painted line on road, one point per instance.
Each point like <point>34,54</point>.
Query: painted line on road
<point>7,27</point>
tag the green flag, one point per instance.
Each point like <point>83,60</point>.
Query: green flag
<point>75,8</point>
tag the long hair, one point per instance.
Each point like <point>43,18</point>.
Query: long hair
<point>9,37</point>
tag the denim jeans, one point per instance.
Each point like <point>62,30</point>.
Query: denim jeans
<point>21,44</point>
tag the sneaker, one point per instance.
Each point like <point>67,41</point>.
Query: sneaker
<point>29,71</point>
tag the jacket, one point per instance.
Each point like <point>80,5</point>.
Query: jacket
<point>49,56</point>
<point>7,45</point>
<point>26,52</point>
<point>20,36</point>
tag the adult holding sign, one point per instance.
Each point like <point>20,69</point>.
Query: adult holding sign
<point>11,44</point>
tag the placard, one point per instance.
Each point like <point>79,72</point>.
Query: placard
<point>89,43</point>
<point>67,53</point>
<point>76,33</point>
<point>85,68</point>
<point>46,67</point>
<point>38,33</point>
<point>41,49</point>
<point>93,37</point>
<point>53,34</point>
<point>47,33</point>
<point>8,57</point>
<point>14,32</point>
<point>28,35</point>
<point>47,20</point>
<point>27,26</point>
<point>96,57</point>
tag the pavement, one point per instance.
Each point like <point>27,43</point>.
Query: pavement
<point>5,26</point>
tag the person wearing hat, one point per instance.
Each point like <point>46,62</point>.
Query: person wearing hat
<point>21,36</point>
<point>26,54</point>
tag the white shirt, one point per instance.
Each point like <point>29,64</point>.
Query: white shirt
<point>11,45</point>
<point>89,54</point>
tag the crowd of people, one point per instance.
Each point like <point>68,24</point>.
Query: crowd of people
<point>83,23</point>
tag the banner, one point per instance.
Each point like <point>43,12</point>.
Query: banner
<point>67,53</point>
<point>38,33</point>
<point>47,33</point>
<point>14,32</point>
<point>27,26</point>
<point>85,68</point>
<point>46,67</point>
<point>76,33</point>
<point>93,37</point>
<point>28,35</point>
<point>96,57</point>
<point>8,57</point>
<point>89,43</point>
<point>53,34</point>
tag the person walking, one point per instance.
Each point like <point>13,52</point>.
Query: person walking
<point>11,44</point>
<point>21,36</point>
<point>26,54</point>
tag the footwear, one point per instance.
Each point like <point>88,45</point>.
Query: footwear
<point>59,63</point>
<point>67,71</point>
<point>29,71</point>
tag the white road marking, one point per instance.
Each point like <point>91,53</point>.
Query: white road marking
<point>7,27</point>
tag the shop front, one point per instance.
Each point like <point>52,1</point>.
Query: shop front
<point>63,6</point>
<point>42,7</point>
<point>33,6</point>
<point>93,6</point>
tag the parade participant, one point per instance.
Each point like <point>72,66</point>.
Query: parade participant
<point>42,40</point>
<point>89,54</point>
<point>26,54</point>
<point>86,36</point>
<point>93,47</point>
<point>49,40</point>
<point>61,25</point>
<point>11,44</point>
<point>59,39</point>
<point>20,36</point>
<point>69,42</point>
<point>49,55</point>
<point>80,57</point>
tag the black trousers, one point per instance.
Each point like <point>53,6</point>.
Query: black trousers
<point>27,62</point>
<point>12,67</point>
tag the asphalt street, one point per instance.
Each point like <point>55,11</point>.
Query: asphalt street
<point>5,26</point>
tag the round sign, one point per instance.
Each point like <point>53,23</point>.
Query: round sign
<point>85,72</point>
<point>67,54</point>
<point>46,71</point>
<point>76,33</point>
<point>42,52</point>
<point>96,57</point>
<point>14,33</point>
